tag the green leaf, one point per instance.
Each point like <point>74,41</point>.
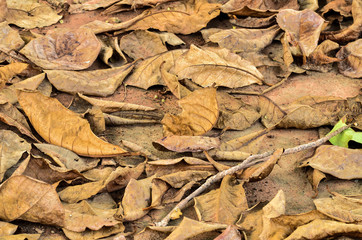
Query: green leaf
<point>347,135</point>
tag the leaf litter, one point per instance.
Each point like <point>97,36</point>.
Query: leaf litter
<point>96,169</point>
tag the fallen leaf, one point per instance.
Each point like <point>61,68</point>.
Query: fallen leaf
<point>253,22</point>
<point>62,127</point>
<point>102,82</point>
<point>315,177</point>
<point>7,228</point>
<point>81,6</point>
<point>170,38</point>
<point>271,113</point>
<point>12,148</point>
<point>199,115</point>
<point>173,84</point>
<point>343,7</point>
<point>9,71</point>
<point>96,120</point>
<point>344,137</point>
<point>112,106</point>
<point>23,236</point>
<point>64,49</point>
<point>216,66</point>
<point>308,4</point>
<point>113,120</point>
<point>3,13</point>
<point>110,53</point>
<point>9,39</point>
<point>340,162</point>
<point>30,200</point>
<point>31,14</point>
<point>230,233</point>
<point>223,205</point>
<point>95,234</point>
<point>351,59</point>
<point>187,143</point>
<point>319,55</point>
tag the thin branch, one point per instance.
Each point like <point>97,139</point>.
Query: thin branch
<point>250,161</point>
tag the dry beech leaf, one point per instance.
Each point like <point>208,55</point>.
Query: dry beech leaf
<point>112,106</point>
<point>322,229</point>
<point>189,228</point>
<point>64,49</point>
<point>187,143</point>
<point>12,148</point>
<point>31,14</point>
<point>223,205</point>
<point>343,163</point>
<point>254,22</point>
<point>173,84</point>
<point>341,6</point>
<point>351,56</point>
<point>30,200</point>
<point>199,114</point>
<point>110,53</point>
<point>230,233</point>
<point>66,158</point>
<point>59,126</point>
<point>101,83</point>
<point>302,30</point>
<point>147,73</point>
<point>242,39</point>
<point>9,71</point>
<point>7,228</point>
<point>142,44</point>
<point>216,66</point>
<point>80,6</point>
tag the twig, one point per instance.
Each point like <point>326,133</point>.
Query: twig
<point>252,160</point>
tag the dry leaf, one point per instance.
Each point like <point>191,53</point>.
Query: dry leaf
<point>64,49</point>
<point>31,14</point>
<point>62,127</point>
<point>216,66</point>
<point>199,115</point>
<point>7,229</point>
<point>22,236</point>
<point>102,82</point>
<point>173,84</point>
<point>351,56</point>
<point>91,234</point>
<point>315,177</point>
<point>147,73</point>
<point>112,106</point>
<point>12,148</point>
<point>319,55</point>
<point>254,22</point>
<point>338,161</point>
<point>30,200</point>
<point>187,143</point>
<point>9,71</point>
<point>308,4</point>
<point>343,7</point>
<point>230,233</point>
<point>3,13</point>
<point>242,39</point>
<point>96,120</point>
<point>110,53</point>
<point>170,38</point>
<point>112,120</point>
<point>81,6</point>
<point>9,39</point>
<point>223,205</point>
<point>271,113</point>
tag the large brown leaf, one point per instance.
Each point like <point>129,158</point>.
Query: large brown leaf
<point>101,82</point>
<point>64,49</point>
<point>351,56</point>
<point>62,127</point>
<point>223,205</point>
<point>216,66</point>
<point>199,115</point>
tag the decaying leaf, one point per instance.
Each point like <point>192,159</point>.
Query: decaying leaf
<point>271,113</point>
<point>173,84</point>
<point>9,71</point>
<point>254,22</point>
<point>341,6</point>
<point>9,38</point>
<point>98,82</point>
<point>64,49</point>
<point>110,53</point>
<point>62,127</point>
<point>315,177</point>
<point>216,66</point>
<point>4,11</point>
<point>7,228</point>
<point>113,120</point>
<point>187,143</point>
<point>230,233</point>
<point>223,205</point>
<point>102,233</point>
<point>96,120</point>
<point>340,162</point>
<point>319,55</point>
<point>199,115</point>
<point>31,14</point>
<point>80,6</point>
<point>112,106</point>
<point>170,38</point>
<point>242,39</point>
<point>351,56</point>
<point>12,148</point>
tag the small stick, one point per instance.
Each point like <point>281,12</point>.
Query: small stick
<point>250,161</point>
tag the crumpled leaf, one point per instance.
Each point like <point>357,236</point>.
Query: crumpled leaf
<point>147,73</point>
<point>322,229</point>
<point>9,71</point>
<point>12,148</point>
<point>187,143</point>
<point>319,55</point>
<point>31,14</point>
<point>199,115</point>
<point>101,82</point>
<point>78,7</point>
<point>64,49</point>
<point>170,38</point>
<point>31,200</point>
<point>351,56</point>
<point>142,44</point>
<point>223,205</point>
<point>216,66</point>
<point>113,106</point>
<point>308,4</point>
<point>302,30</point>
<point>230,233</point>
<point>343,7</point>
<point>9,39</point>
<point>315,177</point>
<point>62,127</point>
<point>344,137</point>
<point>112,120</point>
<point>241,39</point>
<point>110,53</point>
<point>340,162</point>
<point>173,84</point>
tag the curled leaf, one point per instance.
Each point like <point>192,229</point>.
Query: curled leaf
<point>351,56</point>
<point>188,143</point>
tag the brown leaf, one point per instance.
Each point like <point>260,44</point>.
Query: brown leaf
<point>81,6</point>
<point>10,38</point>
<point>340,162</point>
<point>7,228</point>
<point>230,233</point>
<point>113,120</point>
<point>110,53</point>
<point>319,55</point>
<point>216,66</point>
<point>96,120</point>
<point>341,6</point>
<point>271,113</point>
<point>95,234</point>
<point>187,143</point>
<point>9,71</point>
<point>12,148</point>
<point>254,22</point>
<point>64,49</point>
<point>351,56</point>
<point>242,39</point>
<point>3,13</point>
<point>223,205</point>
<point>315,177</point>
<point>173,84</point>
<point>170,38</point>
<point>23,236</point>
<point>62,127</point>
<point>31,14</point>
<point>98,82</point>
<point>31,200</point>
<point>148,73</point>
<point>199,115</point>
<point>142,44</point>
<point>308,4</point>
